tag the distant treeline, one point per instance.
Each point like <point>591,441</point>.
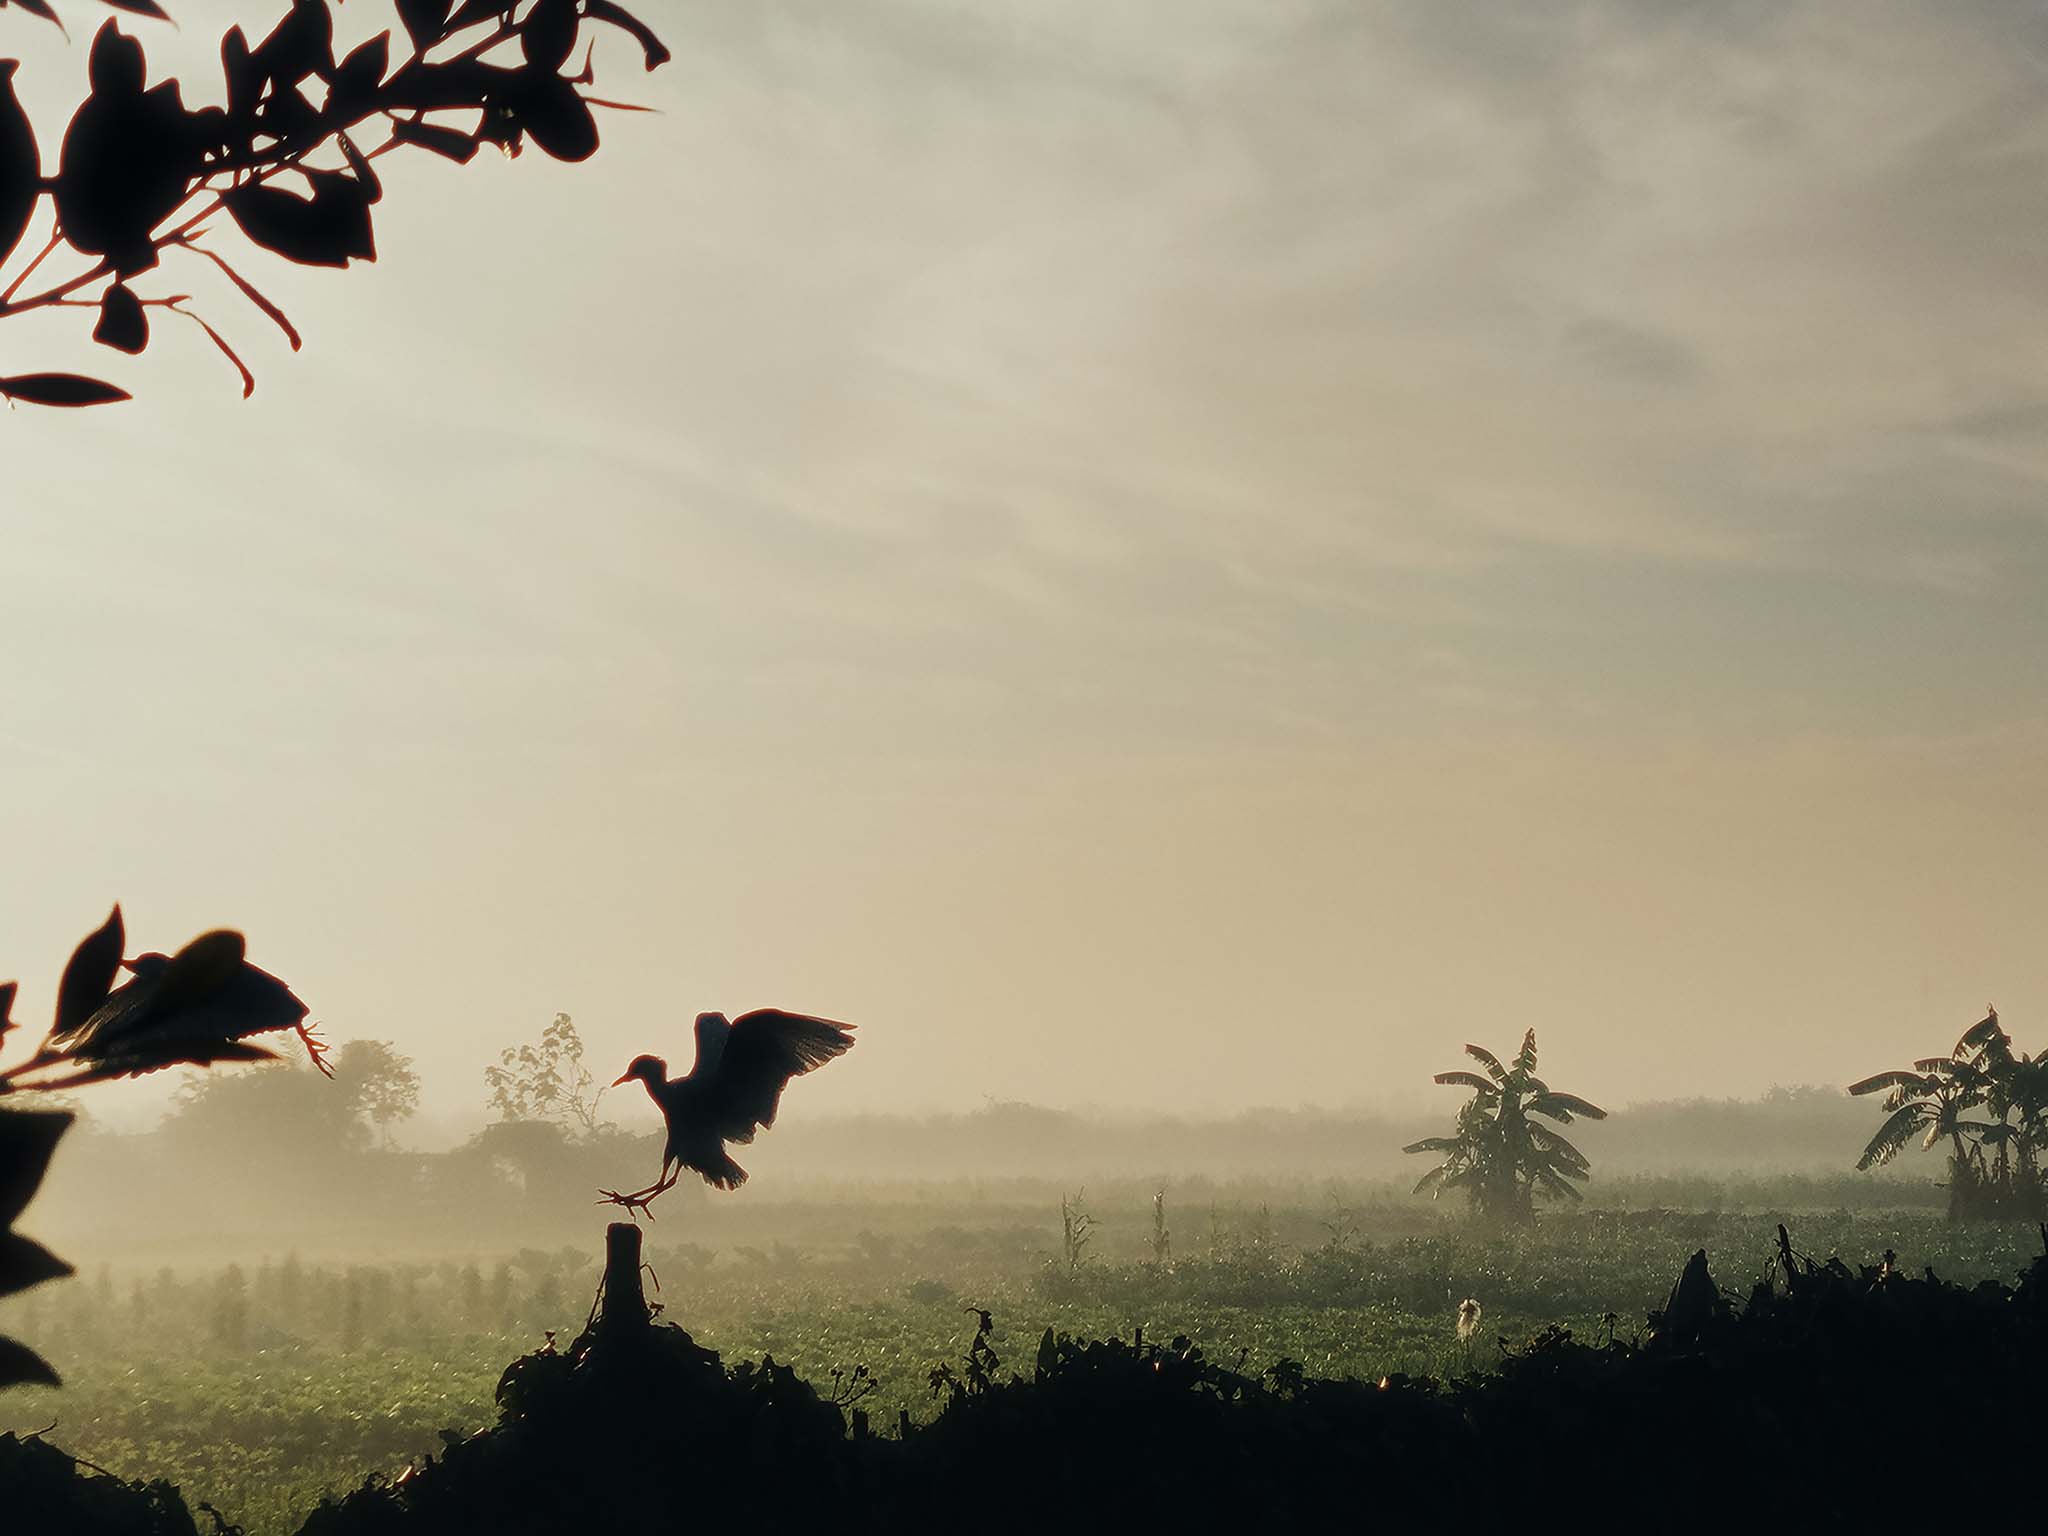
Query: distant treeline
<point>269,1160</point>
<point>1808,1130</point>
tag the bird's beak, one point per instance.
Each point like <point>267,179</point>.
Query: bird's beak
<point>627,1078</point>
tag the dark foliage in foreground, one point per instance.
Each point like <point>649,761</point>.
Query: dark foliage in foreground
<point>42,1489</point>
<point>198,1007</point>
<point>1731,1408</point>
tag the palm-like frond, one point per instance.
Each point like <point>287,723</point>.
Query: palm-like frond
<point>1986,1035</point>
<point>1915,1082</point>
<point>1556,1185</point>
<point>1435,1144</point>
<point>1893,1135</point>
<point>1525,1058</point>
<point>1561,1107</point>
<point>1488,1060</point>
<point>1470,1080</point>
<point>1558,1149</point>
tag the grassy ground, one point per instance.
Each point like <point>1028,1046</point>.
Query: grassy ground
<point>259,1390</point>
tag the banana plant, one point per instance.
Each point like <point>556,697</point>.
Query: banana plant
<point>1498,1155</point>
<point>1932,1103</point>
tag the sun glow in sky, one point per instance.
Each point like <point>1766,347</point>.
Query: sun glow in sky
<point>1182,554</point>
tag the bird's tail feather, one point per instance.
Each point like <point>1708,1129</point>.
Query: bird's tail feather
<point>725,1173</point>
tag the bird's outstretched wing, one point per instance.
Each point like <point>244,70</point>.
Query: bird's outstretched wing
<point>713,1030</point>
<point>763,1051</point>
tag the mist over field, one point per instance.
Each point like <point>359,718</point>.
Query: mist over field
<point>1291,751</point>
<point>318,1182</point>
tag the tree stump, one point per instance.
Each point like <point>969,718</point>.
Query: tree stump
<point>625,1303</point>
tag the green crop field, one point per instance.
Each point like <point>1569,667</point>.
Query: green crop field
<point>258,1388</point>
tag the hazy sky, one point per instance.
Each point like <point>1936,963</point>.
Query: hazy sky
<point>1163,554</point>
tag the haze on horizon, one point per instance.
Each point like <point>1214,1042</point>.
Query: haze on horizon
<point>1177,556</point>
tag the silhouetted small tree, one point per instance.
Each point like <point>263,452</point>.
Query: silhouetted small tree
<point>1982,1094</point>
<point>547,1081</point>
<point>1500,1156</point>
<point>379,1084</point>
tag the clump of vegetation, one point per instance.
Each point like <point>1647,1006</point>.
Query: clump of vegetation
<point>637,1428</point>
<point>43,1489</point>
<point>547,1081</point>
<point>1499,1156</point>
<point>1933,1103</point>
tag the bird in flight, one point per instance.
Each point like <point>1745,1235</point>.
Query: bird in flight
<point>733,1090</point>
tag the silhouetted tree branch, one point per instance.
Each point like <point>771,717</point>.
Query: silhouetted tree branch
<point>288,160</point>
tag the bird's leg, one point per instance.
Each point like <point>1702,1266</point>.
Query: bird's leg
<point>636,1202</point>
<point>641,1199</point>
<point>315,1049</point>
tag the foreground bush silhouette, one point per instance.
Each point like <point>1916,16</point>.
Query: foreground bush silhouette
<point>45,1490</point>
<point>1731,1409</point>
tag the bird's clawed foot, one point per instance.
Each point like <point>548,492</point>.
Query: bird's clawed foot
<point>636,1202</point>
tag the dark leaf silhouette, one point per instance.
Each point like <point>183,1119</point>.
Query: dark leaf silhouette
<point>20,171</point>
<point>67,389</point>
<point>357,77</point>
<point>123,325</point>
<point>457,85</point>
<point>324,230</point>
<point>28,1137</point>
<point>48,12</point>
<point>242,74</point>
<point>6,1008</point>
<point>129,158</point>
<point>21,1366</point>
<point>24,1263</point>
<point>116,65</point>
<point>425,22</point>
<point>625,21</point>
<point>555,117</point>
<point>448,142</point>
<point>89,975</point>
<point>299,46</point>
<point>549,35</point>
